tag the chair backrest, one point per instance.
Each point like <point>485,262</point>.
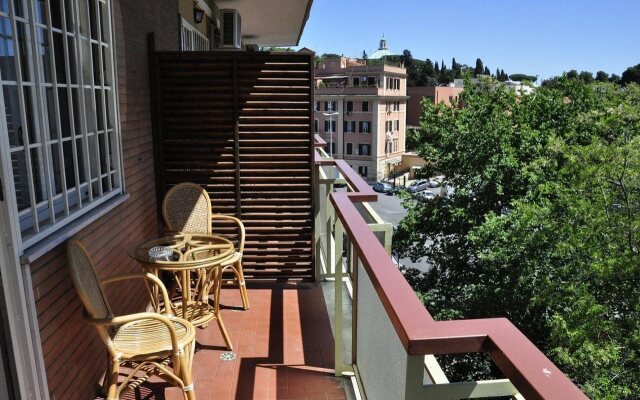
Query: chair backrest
<point>86,281</point>
<point>187,208</point>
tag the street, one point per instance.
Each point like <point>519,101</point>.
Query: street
<point>390,209</point>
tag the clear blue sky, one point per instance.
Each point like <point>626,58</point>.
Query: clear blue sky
<point>536,37</point>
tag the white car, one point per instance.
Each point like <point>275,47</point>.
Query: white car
<point>429,196</point>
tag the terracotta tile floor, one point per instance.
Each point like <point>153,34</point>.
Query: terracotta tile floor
<point>283,346</point>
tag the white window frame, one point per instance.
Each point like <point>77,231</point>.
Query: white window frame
<point>191,39</point>
<point>92,136</point>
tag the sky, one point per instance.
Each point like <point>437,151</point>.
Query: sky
<point>534,37</point>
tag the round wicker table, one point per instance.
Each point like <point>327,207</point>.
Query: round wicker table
<point>194,260</point>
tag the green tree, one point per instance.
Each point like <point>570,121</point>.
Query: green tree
<point>586,76</point>
<point>631,74</point>
<point>428,68</point>
<point>486,71</point>
<point>365,56</point>
<point>523,77</point>
<point>437,68</point>
<point>543,224</point>
<point>602,76</point>
<point>479,67</point>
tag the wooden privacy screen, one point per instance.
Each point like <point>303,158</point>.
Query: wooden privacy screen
<point>239,124</point>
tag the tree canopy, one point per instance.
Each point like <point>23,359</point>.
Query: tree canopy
<point>543,225</point>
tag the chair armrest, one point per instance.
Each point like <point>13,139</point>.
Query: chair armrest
<point>238,223</point>
<point>142,275</point>
<point>123,319</point>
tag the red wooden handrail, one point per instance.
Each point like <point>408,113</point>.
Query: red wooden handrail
<point>530,371</point>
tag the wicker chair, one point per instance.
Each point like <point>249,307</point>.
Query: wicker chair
<point>146,340</point>
<point>186,208</point>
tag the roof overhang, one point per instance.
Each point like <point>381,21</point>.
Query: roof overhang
<point>270,22</point>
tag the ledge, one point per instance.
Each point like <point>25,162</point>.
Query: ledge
<point>61,235</point>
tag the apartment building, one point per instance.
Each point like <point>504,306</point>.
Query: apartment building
<point>435,94</point>
<point>360,111</point>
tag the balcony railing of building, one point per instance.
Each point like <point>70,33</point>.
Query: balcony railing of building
<point>395,341</point>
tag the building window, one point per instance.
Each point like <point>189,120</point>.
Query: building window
<point>349,148</point>
<point>315,126</point>
<point>371,81</point>
<point>326,126</point>
<point>396,124</point>
<point>362,170</point>
<point>59,111</point>
<point>349,126</point>
<point>330,148</point>
<point>317,106</point>
<point>190,38</point>
<point>363,81</point>
<point>363,149</point>
<point>388,126</point>
<point>364,127</point>
<point>365,106</point>
<point>330,106</point>
<point>356,81</point>
<point>395,145</point>
<point>349,106</point>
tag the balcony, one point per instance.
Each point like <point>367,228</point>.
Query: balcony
<point>359,329</point>
<point>332,316</point>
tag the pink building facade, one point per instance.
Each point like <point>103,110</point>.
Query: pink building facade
<point>436,94</point>
<point>368,103</point>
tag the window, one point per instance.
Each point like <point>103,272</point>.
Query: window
<point>364,127</point>
<point>388,127</point>
<point>330,148</point>
<point>326,126</point>
<point>60,111</point>
<point>371,81</point>
<point>315,126</point>
<point>356,81</point>
<point>330,106</point>
<point>388,106</point>
<point>349,148</point>
<point>395,145</point>
<point>396,125</point>
<point>362,170</point>
<point>349,126</point>
<point>365,106</point>
<point>363,81</point>
<point>396,106</point>
<point>363,149</point>
<point>349,106</point>
<point>317,106</point>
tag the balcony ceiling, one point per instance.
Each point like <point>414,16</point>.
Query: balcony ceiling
<point>271,22</point>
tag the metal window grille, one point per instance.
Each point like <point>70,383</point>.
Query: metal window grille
<point>192,39</point>
<point>59,110</point>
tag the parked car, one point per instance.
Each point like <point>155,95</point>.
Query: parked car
<point>396,190</point>
<point>418,186</point>
<point>382,187</point>
<point>429,196</point>
<point>433,183</point>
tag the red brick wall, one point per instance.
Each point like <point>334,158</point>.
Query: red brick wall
<point>73,353</point>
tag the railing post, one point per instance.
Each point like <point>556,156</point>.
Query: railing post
<point>317,226</point>
<point>329,230</point>
<point>339,232</point>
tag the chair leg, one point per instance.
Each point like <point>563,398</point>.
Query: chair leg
<point>243,285</point>
<point>114,371</point>
<point>184,373</point>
